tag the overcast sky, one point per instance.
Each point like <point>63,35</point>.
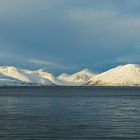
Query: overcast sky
<point>68,34</point>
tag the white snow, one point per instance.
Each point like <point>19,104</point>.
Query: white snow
<point>79,77</point>
<point>25,76</point>
<point>124,75</point>
<point>63,75</point>
<point>10,81</point>
<point>57,81</point>
<point>18,76</point>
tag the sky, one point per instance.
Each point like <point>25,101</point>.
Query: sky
<point>68,35</point>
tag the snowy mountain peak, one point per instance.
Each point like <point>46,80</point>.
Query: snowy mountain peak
<point>131,66</point>
<point>80,77</point>
<point>122,75</point>
<point>63,75</point>
<point>128,66</point>
<point>86,71</point>
<point>26,76</point>
<point>7,69</point>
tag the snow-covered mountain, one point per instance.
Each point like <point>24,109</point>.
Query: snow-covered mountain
<point>23,76</point>
<point>54,80</point>
<point>79,77</point>
<point>63,76</point>
<point>10,75</point>
<point>124,75</point>
<point>9,81</point>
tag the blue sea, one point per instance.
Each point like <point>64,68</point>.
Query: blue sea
<point>69,113</point>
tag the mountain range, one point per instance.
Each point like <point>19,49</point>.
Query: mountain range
<point>123,75</point>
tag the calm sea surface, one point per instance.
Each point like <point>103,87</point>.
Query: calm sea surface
<point>69,113</point>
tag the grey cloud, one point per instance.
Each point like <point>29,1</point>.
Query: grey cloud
<point>70,31</point>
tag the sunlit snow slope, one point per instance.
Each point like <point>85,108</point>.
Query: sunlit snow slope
<point>24,76</point>
<point>125,75</point>
<point>79,77</point>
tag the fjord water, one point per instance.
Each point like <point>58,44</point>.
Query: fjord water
<point>69,113</point>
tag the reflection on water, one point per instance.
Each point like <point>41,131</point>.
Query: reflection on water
<point>73,114</point>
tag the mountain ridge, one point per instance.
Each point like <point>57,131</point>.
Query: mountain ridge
<point>122,75</point>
